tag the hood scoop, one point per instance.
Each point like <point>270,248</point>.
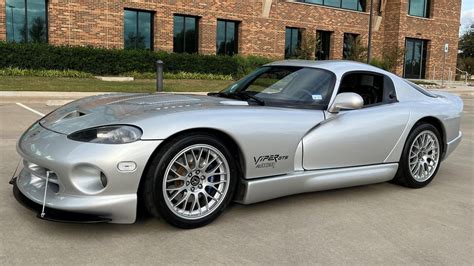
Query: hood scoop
<point>73,114</point>
<point>70,115</point>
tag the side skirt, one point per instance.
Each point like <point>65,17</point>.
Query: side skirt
<point>253,191</point>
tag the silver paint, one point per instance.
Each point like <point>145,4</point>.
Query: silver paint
<point>325,150</point>
<point>309,181</point>
<point>347,101</point>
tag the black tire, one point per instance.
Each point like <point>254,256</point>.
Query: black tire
<point>404,176</point>
<point>152,194</point>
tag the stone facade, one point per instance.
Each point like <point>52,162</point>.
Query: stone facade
<point>262,25</point>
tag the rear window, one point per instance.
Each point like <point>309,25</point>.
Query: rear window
<point>420,89</point>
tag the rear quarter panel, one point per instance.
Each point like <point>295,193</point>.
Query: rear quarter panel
<point>447,108</point>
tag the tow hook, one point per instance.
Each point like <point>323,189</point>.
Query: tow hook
<point>13,178</point>
<point>44,198</point>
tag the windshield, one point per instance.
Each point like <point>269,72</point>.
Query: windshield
<point>286,85</point>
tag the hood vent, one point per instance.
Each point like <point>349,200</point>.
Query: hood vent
<point>73,114</point>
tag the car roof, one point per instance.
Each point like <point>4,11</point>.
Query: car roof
<point>339,67</point>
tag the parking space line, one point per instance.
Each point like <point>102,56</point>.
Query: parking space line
<point>30,109</point>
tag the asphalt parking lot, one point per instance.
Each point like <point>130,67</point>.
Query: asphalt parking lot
<point>374,224</point>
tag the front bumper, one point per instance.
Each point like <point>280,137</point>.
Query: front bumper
<point>77,171</point>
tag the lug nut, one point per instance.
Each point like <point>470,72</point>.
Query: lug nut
<point>197,172</point>
<point>190,174</point>
<point>192,188</point>
<point>203,177</point>
<point>187,183</point>
<point>200,186</point>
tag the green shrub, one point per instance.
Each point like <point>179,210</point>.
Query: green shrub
<point>389,60</point>
<point>101,61</point>
<point>13,71</point>
<point>178,75</point>
<point>377,62</point>
<point>249,63</point>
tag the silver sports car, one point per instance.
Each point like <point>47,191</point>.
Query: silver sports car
<point>289,127</point>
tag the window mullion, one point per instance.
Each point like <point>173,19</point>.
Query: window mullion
<point>184,34</point>
<point>425,10</point>
<point>225,38</point>
<point>236,39</point>
<point>291,42</point>
<point>136,30</point>
<point>26,21</point>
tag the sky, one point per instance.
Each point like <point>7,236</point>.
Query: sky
<point>467,14</point>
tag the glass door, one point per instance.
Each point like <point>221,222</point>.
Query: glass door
<point>415,59</point>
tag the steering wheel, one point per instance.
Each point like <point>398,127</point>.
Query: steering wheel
<point>369,95</point>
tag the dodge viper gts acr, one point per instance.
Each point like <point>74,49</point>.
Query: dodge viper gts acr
<point>289,127</point>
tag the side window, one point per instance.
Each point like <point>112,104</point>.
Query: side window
<point>372,87</point>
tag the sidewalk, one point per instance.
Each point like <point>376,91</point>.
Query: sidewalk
<point>462,90</point>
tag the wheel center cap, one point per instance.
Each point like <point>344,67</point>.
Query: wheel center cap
<point>195,180</point>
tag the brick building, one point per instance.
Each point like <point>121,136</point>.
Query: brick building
<point>259,27</point>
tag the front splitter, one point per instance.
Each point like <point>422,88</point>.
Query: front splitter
<point>55,215</point>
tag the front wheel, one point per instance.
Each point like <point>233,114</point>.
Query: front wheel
<point>191,181</point>
<point>420,159</point>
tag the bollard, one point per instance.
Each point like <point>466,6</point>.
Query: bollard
<point>159,76</point>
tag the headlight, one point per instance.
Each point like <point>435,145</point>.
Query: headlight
<point>108,134</point>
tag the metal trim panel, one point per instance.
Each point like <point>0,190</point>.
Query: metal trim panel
<point>309,181</point>
<point>452,145</point>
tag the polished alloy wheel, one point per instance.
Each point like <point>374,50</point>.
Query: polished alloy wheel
<point>424,156</point>
<point>196,181</point>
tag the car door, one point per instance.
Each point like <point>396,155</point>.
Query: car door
<point>357,137</point>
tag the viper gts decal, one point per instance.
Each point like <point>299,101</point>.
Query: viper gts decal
<point>265,161</point>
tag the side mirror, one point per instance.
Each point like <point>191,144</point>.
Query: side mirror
<point>346,100</point>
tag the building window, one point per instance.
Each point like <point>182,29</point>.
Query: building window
<point>358,5</point>
<point>323,44</point>
<point>419,8</point>
<point>26,21</point>
<point>138,30</point>
<point>185,34</point>
<point>292,41</point>
<point>227,37</point>
<point>350,40</point>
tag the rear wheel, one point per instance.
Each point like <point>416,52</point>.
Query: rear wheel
<point>420,160</point>
<point>191,181</point>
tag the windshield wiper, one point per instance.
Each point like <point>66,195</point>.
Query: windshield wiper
<point>219,94</point>
<point>243,95</point>
<point>246,96</point>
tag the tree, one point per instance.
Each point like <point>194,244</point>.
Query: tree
<point>307,46</point>
<point>466,51</point>
<point>38,30</point>
<point>355,50</point>
<point>135,41</point>
<point>466,43</point>
<point>390,59</point>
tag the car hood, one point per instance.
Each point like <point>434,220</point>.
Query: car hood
<point>127,108</point>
